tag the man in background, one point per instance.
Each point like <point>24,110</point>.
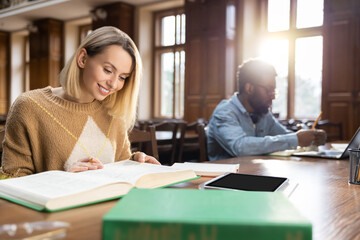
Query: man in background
<point>243,124</point>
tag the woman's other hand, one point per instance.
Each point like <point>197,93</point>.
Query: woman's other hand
<point>86,164</point>
<point>143,158</point>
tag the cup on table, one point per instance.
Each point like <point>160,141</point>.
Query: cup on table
<point>354,155</point>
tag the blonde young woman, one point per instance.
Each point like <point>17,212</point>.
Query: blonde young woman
<point>84,123</point>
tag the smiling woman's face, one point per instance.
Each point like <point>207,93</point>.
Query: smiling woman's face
<point>104,73</point>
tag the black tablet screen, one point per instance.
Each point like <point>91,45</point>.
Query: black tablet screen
<point>248,182</point>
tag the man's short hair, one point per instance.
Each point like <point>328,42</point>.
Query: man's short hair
<point>251,71</point>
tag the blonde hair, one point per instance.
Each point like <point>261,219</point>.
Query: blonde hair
<point>122,103</point>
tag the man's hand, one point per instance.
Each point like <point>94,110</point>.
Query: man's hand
<point>309,137</point>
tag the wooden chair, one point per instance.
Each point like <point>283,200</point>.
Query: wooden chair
<point>144,140</point>
<point>2,136</point>
<point>333,130</point>
<point>3,119</point>
<point>167,146</point>
<point>193,141</point>
<point>201,129</point>
<point>143,124</point>
<point>293,124</point>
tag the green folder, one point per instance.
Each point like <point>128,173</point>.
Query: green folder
<point>175,214</point>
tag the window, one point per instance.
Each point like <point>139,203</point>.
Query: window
<point>293,43</point>
<point>169,52</point>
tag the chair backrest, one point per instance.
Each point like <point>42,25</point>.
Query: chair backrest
<point>293,124</point>
<point>138,139</point>
<point>168,145</point>
<point>193,139</point>
<point>143,124</point>
<point>333,129</point>
<point>2,136</point>
<point>201,129</point>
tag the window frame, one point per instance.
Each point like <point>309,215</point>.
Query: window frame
<point>291,35</point>
<point>158,50</point>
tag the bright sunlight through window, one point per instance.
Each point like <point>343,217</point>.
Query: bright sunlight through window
<point>171,70</point>
<point>280,49</point>
<point>278,15</point>
<point>297,56</point>
<point>308,74</point>
<point>310,13</point>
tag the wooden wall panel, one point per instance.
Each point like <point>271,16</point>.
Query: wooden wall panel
<point>120,15</point>
<point>214,71</point>
<point>207,55</point>
<point>341,112</point>
<point>341,72</point>
<point>46,53</point>
<point>335,6</point>
<point>4,73</point>
<point>55,56</point>
<point>193,109</point>
<point>342,60</point>
<point>357,67</point>
<point>215,17</point>
<point>192,70</point>
<point>195,12</point>
<point>210,107</point>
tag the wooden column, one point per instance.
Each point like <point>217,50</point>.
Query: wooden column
<point>4,73</point>
<point>120,15</point>
<point>341,73</point>
<point>210,65</point>
<point>46,53</point>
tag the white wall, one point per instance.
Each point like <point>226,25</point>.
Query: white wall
<point>17,70</point>
<point>144,39</point>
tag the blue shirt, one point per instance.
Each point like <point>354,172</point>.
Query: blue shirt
<point>231,132</point>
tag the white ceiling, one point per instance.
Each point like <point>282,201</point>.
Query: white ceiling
<point>18,17</point>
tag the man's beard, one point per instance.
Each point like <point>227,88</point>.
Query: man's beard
<point>259,107</point>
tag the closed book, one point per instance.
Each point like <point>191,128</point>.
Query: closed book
<point>175,214</point>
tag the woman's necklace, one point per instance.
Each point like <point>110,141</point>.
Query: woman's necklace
<point>71,134</point>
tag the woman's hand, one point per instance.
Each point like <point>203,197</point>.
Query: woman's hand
<point>143,158</point>
<point>86,164</point>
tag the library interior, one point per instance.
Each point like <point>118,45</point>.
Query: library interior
<point>192,111</point>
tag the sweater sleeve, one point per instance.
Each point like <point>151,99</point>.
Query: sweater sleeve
<point>17,156</point>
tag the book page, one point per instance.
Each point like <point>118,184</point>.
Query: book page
<point>41,187</point>
<point>339,146</point>
<point>289,152</point>
<point>128,171</point>
<point>209,169</point>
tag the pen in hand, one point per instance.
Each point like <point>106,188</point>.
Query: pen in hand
<point>316,121</point>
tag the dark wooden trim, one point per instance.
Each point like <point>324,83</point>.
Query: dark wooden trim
<point>5,73</point>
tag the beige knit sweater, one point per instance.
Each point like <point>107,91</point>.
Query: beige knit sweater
<point>44,132</point>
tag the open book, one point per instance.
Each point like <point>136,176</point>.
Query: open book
<point>208,169</point>
<point>290,152</point>
<point>58,190</point>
